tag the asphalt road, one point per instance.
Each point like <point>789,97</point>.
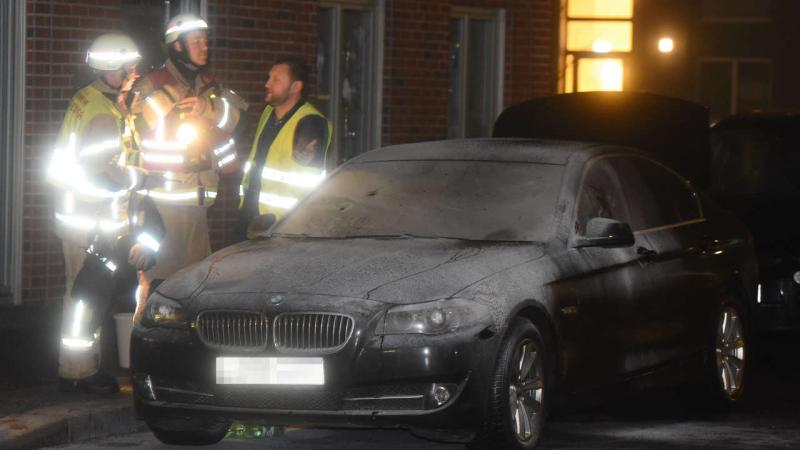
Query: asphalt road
<point>648,420</point>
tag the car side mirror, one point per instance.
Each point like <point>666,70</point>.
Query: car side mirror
<point>603,232</point>
<point>259,226</point>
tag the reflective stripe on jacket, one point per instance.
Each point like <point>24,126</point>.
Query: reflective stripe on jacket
<point>162,146</point>
<point>84,206</point>
<point>284,182</point>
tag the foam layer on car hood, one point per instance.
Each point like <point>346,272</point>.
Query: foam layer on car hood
<point>403,270</point>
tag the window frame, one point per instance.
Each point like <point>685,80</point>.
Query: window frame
<point>568,59</point>
<point>375,94</point>
<point>12,148</point>
<point>734,62</point>
<point>623,156</point>
<point>734,19</point>
<point>587,168</point>
<point>465,14</point>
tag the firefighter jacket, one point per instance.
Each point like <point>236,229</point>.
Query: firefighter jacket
<point>187,151</point>
<point>88,168</point>
<point>284,181</point>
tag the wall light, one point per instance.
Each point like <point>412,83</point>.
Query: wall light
<point>666,45</point>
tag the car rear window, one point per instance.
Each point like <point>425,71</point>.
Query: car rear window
<point>473,200</point>
<point>755,161</point>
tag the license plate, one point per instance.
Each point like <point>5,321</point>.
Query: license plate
<point>262,370</point>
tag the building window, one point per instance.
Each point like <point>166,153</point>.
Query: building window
<point>734,85</point>
<point>476,71</point>
<point>12,132</point>
<point>737,11</point>
<point>143,21</point>
<point>596,37</point>
<point>349,75</point>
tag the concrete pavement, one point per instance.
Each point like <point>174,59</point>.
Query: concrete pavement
<point>41,416</point>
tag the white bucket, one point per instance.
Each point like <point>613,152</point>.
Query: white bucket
<point>124,327</point>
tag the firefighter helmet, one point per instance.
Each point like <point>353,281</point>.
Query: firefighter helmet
<point>112,51</point>
<point>183,23</point>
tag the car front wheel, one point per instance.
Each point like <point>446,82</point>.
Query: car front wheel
<point>186,432</point>
<point>519,394</point>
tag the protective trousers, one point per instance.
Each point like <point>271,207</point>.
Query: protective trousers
<point>75,363</point>
<point>92,292</point>
<point>186,240</point>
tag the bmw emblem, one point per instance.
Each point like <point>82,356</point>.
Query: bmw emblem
<point>276,300</point>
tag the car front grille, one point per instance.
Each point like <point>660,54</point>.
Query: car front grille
<point>233,328</point>
<point>312,332</point>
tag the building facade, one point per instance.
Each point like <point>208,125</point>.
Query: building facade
<point>385,71</point>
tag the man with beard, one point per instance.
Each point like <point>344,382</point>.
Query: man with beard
<point>183,122</point>
<point>288,156</point>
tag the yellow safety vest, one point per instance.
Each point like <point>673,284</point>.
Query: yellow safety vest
<point>82,208</point>
<point>284,182</point>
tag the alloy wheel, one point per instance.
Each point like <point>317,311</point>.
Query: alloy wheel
<point>730,352</point>
<point>525,390</point>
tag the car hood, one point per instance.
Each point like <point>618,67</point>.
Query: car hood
<point>395,270</point>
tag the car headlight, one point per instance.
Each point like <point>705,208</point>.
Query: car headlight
<point>163,312</point>
<point>434,317</point>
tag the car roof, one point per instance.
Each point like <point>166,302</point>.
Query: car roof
<point>540,151</point>
<point>671,130</point>
<point>759,120</point>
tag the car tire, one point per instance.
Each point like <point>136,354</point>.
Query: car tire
<point>187,432</point>
<point>519,393</point>
<point>729,359</point>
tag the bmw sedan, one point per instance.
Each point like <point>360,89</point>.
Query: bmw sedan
<point>455,289</point>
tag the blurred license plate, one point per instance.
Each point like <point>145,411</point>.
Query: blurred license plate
<point>246,370</point>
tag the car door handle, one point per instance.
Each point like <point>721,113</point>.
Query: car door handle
<point>645,252</point>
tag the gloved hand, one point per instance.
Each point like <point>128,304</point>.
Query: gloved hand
<point>141,257</point>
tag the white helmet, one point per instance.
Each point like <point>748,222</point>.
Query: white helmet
<point>112,51</point>
<point>181,24</point>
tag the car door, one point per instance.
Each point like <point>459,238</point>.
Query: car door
<point>679,261</point>
<point>609,284</point>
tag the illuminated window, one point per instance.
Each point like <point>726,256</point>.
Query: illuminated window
<point>599,74</point>
<point>597,35</point>
<point>600,9</point>
<point>584,35</point>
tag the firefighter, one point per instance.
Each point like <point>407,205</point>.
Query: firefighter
<point>289,153</point>
<point>93,187</point>
<point>184,122</point>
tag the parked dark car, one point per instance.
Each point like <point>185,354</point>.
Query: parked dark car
<point>453,288</point>
<point>757,176</point>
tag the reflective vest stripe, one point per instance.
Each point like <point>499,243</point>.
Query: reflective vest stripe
<point>177,196</point>
<point>284,181</point>
<point>86,223</point>
<point>277,201</point>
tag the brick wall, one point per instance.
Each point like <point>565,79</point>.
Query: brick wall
<point>246,36</point>
<point>417,52</point>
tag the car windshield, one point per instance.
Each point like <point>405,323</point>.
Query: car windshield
<point>472,200</point>
<point>755,162</point>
